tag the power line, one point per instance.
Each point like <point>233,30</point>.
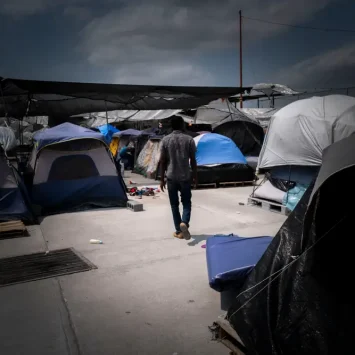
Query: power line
<point>301,27</point>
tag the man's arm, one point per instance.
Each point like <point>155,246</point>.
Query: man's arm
<point>163,166</point>
<point>193,161</point>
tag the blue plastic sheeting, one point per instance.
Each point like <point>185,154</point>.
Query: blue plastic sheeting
<point>128,132</point>
<point>64,132</point>
<point>98,189</point>
<point>231,258</point>
<point>293,196</point>
<point>108,131</point>
<point>214,148</point>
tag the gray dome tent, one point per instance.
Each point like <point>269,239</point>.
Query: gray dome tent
<point>296,139</point>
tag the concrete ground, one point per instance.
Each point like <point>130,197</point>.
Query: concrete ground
<point>132,180</point>
<point>150,293</point>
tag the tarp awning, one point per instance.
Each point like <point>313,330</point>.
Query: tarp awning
<point>35,98</point>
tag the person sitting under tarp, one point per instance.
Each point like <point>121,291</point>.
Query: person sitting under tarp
<point>125,154</point>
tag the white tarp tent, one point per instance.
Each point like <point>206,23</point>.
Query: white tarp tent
<point>96,119</point>
<point>222,111</point>
<point>299,132</point>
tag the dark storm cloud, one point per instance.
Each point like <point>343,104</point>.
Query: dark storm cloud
<point>163,41</point>
<point>183,42</point>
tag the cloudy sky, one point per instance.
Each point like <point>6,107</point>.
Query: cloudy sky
<point>178,42</point>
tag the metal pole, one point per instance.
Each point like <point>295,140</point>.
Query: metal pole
<point>106,113</point>
<point>240,58</point>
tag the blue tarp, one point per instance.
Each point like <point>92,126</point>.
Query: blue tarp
<point>231,258</point>
<point>64,132</point>
<point>294,196</point>
<point>214,148</point>
<point>108,131</point>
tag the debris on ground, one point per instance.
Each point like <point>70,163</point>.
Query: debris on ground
<point>96,241</point>
<point>144,191</point>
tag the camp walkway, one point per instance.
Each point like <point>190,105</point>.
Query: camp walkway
<point>150,293</point>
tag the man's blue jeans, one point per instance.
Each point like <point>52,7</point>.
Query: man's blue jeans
<point>184,187</point>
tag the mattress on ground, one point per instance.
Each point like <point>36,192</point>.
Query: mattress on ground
<point>269,192</point>
<point>230,259</point>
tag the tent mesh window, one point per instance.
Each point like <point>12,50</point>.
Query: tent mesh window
<point>73,167</point>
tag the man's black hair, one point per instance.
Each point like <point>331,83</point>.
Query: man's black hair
<point>177,123</point>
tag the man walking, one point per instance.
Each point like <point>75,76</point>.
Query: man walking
<point>178,150</point>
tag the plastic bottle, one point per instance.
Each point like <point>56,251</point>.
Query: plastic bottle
<point>96,241</point>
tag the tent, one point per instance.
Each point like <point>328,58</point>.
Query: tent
<point>220,160</point>
<point>128,132</point>
<point>147,162</point>
<point>299,297</point>
<point>14,201</point>
<point>7,139</point>
<point>245,129</point>
<point>246,135</point>
<point>73,169</point>
<point>299,132</point>
<point>126,136</point>
<point>297,136</point>
<point>222,110</point>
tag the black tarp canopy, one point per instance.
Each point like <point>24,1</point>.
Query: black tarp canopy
<point>19,98</point>
<point>299,299</point>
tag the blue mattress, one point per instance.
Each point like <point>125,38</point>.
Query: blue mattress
<point>231,258</point>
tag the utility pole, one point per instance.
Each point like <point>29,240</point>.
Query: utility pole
<point>240,58</point>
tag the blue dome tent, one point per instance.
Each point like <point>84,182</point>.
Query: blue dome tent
<point>220,160</point>
<point>74,170</point>
<point>214,148</point>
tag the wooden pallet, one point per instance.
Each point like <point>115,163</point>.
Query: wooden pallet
<point>11,229</point>
<point>225,334</point>
<point>269,206</point>
<point>224,184</point>
<point>236,184</point>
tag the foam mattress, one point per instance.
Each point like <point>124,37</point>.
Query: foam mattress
<point>269,192</point>
<point>230,259</point>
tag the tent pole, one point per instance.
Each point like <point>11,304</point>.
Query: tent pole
<point>240,58</point>
<point>106,113</point>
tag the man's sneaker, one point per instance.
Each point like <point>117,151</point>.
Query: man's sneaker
<point>178,235</point>
<point>185,231</point>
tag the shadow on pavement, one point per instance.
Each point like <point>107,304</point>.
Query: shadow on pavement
<point>197,239</point>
